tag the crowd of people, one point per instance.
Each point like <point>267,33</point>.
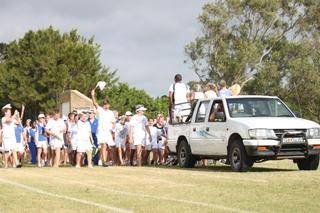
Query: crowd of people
<point>98,136</point>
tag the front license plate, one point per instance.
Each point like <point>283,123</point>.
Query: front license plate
<point>292,140</point>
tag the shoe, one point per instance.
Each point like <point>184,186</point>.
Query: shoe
<point>105,165</point>
<point>77,167</point>
<point>19,166</point>
<point>39,165</point>
<point>100,163</point>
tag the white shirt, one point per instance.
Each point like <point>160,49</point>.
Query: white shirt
<point>72,130</point>
<point>180,91</point>
<point>210,94</point>
<point>57,127</point>
<point>138,124</point>
<point>84,130</point>
<point>106,119</point>
<point>154,135</point>
<point>8,129</point>
<point>198,95</point>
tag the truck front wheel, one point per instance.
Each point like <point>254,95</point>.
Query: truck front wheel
<point>239,161</point>
<point>185,157</point>
<point>309,163</point>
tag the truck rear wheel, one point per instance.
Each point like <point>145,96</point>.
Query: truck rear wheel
<point>239,161</point>
<point>309,163</point>
<point>185,157</point>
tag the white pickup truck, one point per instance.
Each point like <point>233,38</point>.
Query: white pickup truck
<point>245,130</point>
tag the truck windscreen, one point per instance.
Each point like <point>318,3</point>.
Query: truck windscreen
<point>257,107</point>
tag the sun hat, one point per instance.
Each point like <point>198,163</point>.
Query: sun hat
<point>41,116</point>
<point>101,85</point>
<point>140,108</point>
<point>8,106</point>
<point>128,113</point>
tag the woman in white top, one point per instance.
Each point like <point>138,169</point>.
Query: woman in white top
<point>84,139</point>
<point>106,123</point>
<point>8,135</point>
<point>211,91</point>
<point>71,136</point>
<point>138,131</point>
<point>197,92</point>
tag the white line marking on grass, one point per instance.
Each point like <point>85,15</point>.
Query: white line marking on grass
<point>103,188</point>
<point>86,202</point>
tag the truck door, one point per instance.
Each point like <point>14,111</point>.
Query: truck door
<point>216,129</point>
<point>197,135</point>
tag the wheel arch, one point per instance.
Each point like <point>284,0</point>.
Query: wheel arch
<point>233,137</point>
<point>180,139</point>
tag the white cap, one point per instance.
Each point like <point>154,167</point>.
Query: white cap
<point>128,113</point>
<point>101,85</point>
<point>140,108</point>
<point>41,116</point>
<point>8,106</point>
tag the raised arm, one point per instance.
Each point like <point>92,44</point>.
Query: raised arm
<point>94,101</point>
<point>22,112</point>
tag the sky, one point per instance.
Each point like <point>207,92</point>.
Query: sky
<point>143,39</point>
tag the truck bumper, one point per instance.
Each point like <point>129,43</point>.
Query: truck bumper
<point>275,149</point>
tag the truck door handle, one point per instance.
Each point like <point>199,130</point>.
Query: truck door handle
<point>207,129</point>
<point>194,129</point>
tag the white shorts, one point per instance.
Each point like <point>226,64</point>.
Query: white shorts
<point>74,144</point>
<point>20,147</point>
<point>120,143</point>
<point>42,144</point>
<point>105,137</point>
<point>56,143</point>
<point>84,146</point>
<point>148,147</point>
<point>9,144</point>
<point>132,146</point>
<point>138,140</point>
<point>161,145</point>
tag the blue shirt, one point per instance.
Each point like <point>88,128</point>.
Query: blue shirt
<point>41,133</point>
<point>224,92</point>
<point>94,125</point>
<point>18,131</point>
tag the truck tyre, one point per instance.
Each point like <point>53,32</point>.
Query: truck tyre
<point>309,163</point>
<point>185,157</point>
<point>238,158</point>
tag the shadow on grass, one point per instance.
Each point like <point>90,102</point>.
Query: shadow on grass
<point>226,168</point>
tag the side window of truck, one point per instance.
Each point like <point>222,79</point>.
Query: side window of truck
<point>202,112</point>
<point>217,113</point>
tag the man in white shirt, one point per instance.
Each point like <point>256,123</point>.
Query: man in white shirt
<point>56,128</point>
<point>178,99</point>
<point>106,123</point>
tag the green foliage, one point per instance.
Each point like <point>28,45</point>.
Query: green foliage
<point>42,64</point>
<point>276,43</point>
<point>124,98</point>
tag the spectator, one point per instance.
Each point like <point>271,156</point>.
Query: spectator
<point>106,120</point>
<point>41,141</point>
<point>211,91</point>
<point>224,92</point>
<point>55,128</point>
<point>178,99</point>
<point>138,131</point>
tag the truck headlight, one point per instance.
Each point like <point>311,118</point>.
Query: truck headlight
<point>262,134</point>
<point>313,133</point>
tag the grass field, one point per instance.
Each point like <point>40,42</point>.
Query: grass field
<point>275,186</point>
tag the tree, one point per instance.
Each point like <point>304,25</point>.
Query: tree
<point>124,98</point>
<point>41,65</point>
<point>239,36</point>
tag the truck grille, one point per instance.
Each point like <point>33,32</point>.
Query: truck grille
<point>279,132</point>
<point>294,148</point>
